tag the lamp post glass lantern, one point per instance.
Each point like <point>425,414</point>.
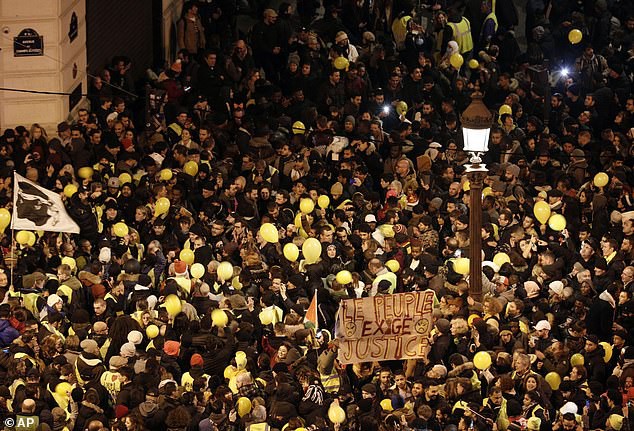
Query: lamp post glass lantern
<point>476,126</point>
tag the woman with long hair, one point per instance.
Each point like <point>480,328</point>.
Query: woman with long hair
<point>118,334</point>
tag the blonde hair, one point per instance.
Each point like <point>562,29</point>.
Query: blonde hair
<point>460,325</point>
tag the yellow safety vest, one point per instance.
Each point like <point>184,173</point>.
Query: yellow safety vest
<point>30,302</point>
<point>502,416</point>
<point>104,349</point>
<point>110,381</point>
<point>389,276</point>
<point>462,35</point>
<point>176,128</point>
<point>66,291</point>
<point>536,409</point>
<point>331,383</point>
<point>114,298</point>
<point>51,329</point>
<point>259,427</point>
<point>494,18</point>
<point>13,388</point>
<point>187,381</point>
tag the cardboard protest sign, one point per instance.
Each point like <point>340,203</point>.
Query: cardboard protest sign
<point>386,327</point>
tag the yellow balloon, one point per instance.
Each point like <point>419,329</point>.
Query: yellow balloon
<point>344,277</point>
<point>577,359</point>
<point>161,207</point>
<point>466,186</point>
<point>505,109</point>
<point>219,318</point>
<point>291,252</point>
<point>198,270</point>
<point>336,414</point>
<point>306,205</point>
<point>298,220</point>
<point>554,380</point>
<point>267,316</point>
<point>268,231</point>
<point>5,219</point>
<point>601,179</point>
<point>243,406</point>
<point>22,237</point>
<point>401,108</point>
<point>542,212</point>
<point>487,191</point>
<point>607,348</point>
<point>323,201</point>
<point>236,283</point>
<point>31,241</point>
<point>85,172</point>
<point>70,190</point>
<point>393,265</point>
<point>241,360</point>
<point>187,256</point>
<point>191,168</point>
<point>225,271</point>
<point>165,175</point>
<point>482,360</point>
<point>120,229</point>
<point>461,265</point>
<point>298,128</point>
<point>312,250</point>
<point>173,305</point>
<point>341,63</point>
<point>456,60</point>
<point>501,258</point>
<point>575,36</point>
<point>152,331</point>
<point>230,371</point>
<point>473,64</point>
<point>557,222</point>
<point>125,178</point>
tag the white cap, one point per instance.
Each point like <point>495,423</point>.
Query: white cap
<point>569,407</point>
<point>135,337</point>
<point>53,299</point>
<point>557,287</point>
<point>542,324</point>
<point>166,381</point>
<point>105,255</point>
<point>370,218</point>
<point>435,145</point>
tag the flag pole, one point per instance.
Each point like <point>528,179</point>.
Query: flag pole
<point>13,260</point>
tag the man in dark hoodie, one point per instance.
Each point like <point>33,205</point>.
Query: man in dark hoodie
<point>153,416</point>
<point>81,211</point>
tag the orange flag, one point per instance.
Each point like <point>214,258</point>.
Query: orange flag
<point>311,313</point>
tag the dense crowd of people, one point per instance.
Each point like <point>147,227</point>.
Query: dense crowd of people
<point>186,300</point>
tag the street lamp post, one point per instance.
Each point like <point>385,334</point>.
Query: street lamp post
<point>476,125</point>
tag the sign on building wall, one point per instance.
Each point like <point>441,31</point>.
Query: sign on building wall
<point>28,43</point>
<point>73,27</point>
<point>384,328</point>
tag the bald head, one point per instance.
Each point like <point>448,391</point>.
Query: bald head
<point>95,426</point>
<point>28,406</point>
<point>374,265</point>
<point>454,189</point>
<point>402,167</point>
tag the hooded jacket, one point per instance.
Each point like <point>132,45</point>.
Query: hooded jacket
<point>7,333</point>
